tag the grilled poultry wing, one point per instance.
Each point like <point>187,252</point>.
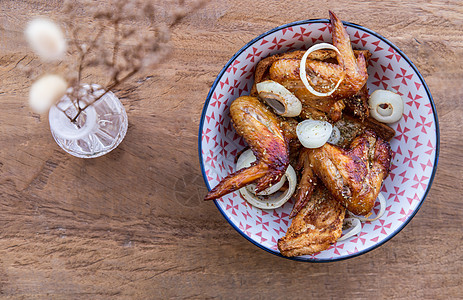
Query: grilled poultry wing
<point>356,68</point>
<point>323,75</point>
<point>349,128</point>
<point>354,176</point>
<point>261,130</point>
<point>315,227</point>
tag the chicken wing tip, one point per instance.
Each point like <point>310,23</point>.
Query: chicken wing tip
<point>333,16</point>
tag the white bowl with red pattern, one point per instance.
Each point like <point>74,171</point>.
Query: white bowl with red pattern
<point>415,146</point>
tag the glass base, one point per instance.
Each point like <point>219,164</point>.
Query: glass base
<point>99,129</point>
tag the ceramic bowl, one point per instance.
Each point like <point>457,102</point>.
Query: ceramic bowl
<point>415,146</point>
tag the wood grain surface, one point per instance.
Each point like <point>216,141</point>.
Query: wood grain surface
<point>132,224</point>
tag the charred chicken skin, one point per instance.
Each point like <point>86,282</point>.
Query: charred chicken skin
<point>354,176</point>
<point>261,129</point>
<point>315,227</point>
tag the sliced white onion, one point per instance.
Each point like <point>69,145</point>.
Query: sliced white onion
<point>353,227</point>
<point>279,98</point>
<point>244,161</point>
<point>274,200</point>
<point>353,223</point>
<point>303,73</point>
<point>386,106</point>
<point>382,209</point>
<point>313,133</point>
<point>335,136</point>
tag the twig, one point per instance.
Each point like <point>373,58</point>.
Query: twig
<point>132,49</point>
<point>106,90</point>
<point>64,112</point>
<point>116,41</point>
<point>85,51</point>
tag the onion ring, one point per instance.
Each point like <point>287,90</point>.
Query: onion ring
<point>313,133</point>
<point>303,73</point>
<point>386,106</point>
<point>279,98</point>
<point>354,228</point>
<point>382,209</point>
<point>274,200</point>
<point>244,161</point>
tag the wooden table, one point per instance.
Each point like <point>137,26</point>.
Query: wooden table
<point>132,224</point>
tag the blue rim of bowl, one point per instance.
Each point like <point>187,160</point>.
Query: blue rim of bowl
<point>436,159</point>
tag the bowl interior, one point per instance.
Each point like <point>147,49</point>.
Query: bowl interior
<point>415,145</point>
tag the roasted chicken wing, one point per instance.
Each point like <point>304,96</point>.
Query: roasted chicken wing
<point>354,176</point>
<point>262,72</point>
<point>356,68</point>
<point>315,227</point>
<point>323,73</point>
<point>261,129</point>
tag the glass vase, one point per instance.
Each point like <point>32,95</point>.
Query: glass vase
<point>97,130</point>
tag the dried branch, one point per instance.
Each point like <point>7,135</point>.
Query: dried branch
<point>130,49</point>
